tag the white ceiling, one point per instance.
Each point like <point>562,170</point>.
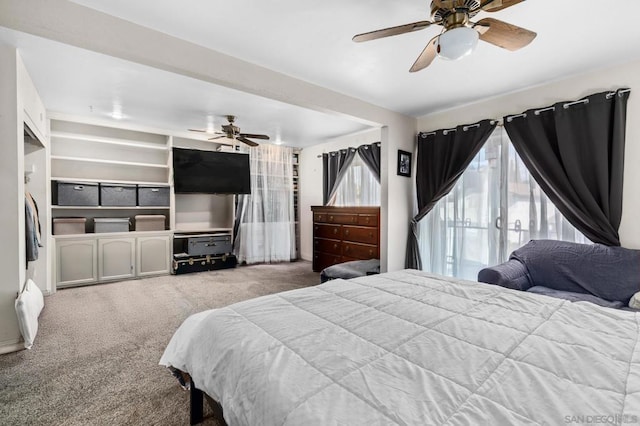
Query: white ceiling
<point>311,41</point>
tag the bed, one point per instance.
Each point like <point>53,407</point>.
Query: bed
<point>410,348</point>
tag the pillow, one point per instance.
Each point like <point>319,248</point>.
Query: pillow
<point>634,302</point>
<point>29,304</point>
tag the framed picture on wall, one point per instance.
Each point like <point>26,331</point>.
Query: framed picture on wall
<point>404,163</point>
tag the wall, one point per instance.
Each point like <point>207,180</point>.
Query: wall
<point>18,104</point>
<point>310,181</point>
<point>627,75</point>
<point>36,155</point>
<point>12,260</point>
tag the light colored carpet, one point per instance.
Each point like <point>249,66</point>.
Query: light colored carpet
<point>95,359</point>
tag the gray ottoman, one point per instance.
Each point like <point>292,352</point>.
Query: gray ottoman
<point>353,269</point>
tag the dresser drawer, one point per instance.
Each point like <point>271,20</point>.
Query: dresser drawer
<point>324,260</point>
<point>368,219</point>
<point>327,246</point>
<point>319,217</point>
<point>327,231</point>
<point>360,251</point>
<point>342,218</point>
<point>360,234</point>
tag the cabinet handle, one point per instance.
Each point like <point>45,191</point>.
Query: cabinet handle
<point>347,248</point>
<point>335,246</point>
<point>335,230</point>
<point>155,190</point>
<point>78,188</point>
<point>346,232</point>
<point>330,217</point>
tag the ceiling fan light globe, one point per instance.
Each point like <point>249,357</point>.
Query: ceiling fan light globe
<point>457,43</point>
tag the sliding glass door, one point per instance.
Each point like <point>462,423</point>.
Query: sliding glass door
<point>494,208</point>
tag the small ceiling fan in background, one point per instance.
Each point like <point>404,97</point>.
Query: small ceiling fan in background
<point>233,132</point>
<point>459,35</point>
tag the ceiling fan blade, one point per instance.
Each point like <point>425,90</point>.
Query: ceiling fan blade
<point>496,5</point>
<point>247,141</point>
<point>386,32</point>
<point>217,137</point>
<point>210,132</point>
<point>427,56</point>
<point>505,35</point>
<point>251,135</point>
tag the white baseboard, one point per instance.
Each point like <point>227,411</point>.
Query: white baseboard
<point>8,347</point>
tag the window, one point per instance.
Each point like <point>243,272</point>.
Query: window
<point>494,208</point>
<point>359,187</point>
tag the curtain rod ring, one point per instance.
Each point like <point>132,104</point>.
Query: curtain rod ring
<point>581,101</point>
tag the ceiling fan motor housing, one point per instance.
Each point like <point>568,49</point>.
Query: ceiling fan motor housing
<point>446,10</point>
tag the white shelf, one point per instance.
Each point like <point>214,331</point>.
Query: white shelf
<point>122,182</point>
<point>91,235</point>
<point>201,230</point>
<point>113,162</point>
<point>112,141</point>
<point>54,207</point>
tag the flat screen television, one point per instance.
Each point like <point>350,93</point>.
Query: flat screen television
<point>210,172</point>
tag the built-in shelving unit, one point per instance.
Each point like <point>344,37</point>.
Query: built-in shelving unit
<point>86,153</point>
<point>91,153</point>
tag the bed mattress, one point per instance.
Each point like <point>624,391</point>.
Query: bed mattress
<point>411,348</point>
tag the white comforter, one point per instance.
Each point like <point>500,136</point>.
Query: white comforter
<point>413,349</point>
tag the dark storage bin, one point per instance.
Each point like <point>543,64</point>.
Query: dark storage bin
<point>117,195</point>
<point>209,244</point>
<point>74,193</point>
<point>153,196</point>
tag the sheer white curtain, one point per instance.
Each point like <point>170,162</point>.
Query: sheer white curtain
<point>494,208</point>
<point>266,231</point>
<point>359,187</point>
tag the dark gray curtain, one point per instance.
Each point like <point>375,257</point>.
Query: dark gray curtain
<point>334,167</point>
<point>442,158</point>
<point>370,154</point>
<point>575,151</point>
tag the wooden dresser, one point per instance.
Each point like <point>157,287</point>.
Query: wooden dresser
<point>341,234</point>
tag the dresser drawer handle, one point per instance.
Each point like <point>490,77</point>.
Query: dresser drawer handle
<point>370,252</point>
<point>347,248</point>
<point>330,217</point>
<point>335,246</point>
<point>316,228</point>
<point>346,232</point>
<point>335,230</point>
<point>370,234</point>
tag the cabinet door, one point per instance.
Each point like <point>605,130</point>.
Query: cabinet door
<point>116,258</point>
<point>77,262</point>
<point>152,255</point>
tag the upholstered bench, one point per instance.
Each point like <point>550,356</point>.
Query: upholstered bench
<point>353,269</point>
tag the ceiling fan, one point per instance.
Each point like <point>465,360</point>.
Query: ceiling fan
<point>233,132</point>
<point>459,35</point>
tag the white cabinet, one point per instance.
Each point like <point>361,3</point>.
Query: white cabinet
<point>77,262</point>
<point>152,255</point>
<point>93,258</point>
<point>116,258</point>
